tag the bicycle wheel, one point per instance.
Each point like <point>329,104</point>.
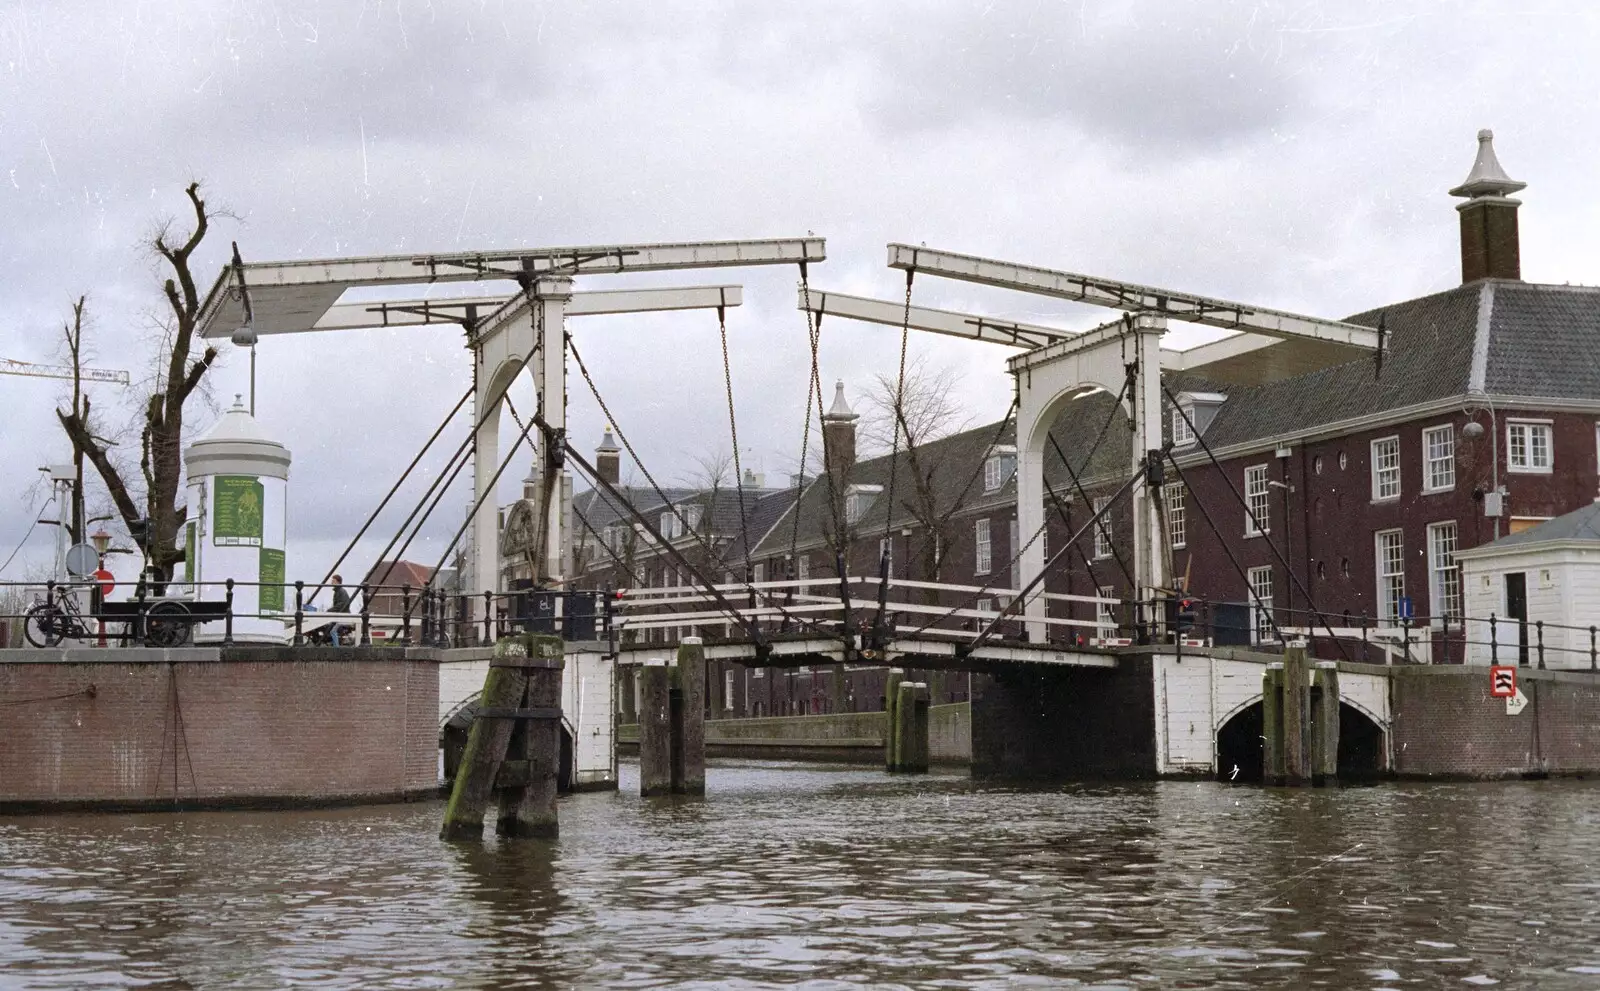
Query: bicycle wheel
<point>166,625</point>
<point>44,625</point>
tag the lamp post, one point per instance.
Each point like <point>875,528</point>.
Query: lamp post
<point>1472,429</point>
<point>97,595</point>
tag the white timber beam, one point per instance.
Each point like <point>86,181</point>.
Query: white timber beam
<point>466,309</point>
<point>947,322</point>
<point>314,285</point>
<point>614,301</point>
<point>1130,297</point>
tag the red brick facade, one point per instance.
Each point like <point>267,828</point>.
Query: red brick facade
<point>314,730</point>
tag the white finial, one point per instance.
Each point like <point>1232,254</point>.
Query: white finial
<point>238,400</point>
<point>840,410</point>
<point>1487,178</point>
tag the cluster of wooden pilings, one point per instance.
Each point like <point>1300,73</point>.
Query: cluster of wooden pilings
<point>513,750</point>
<point>672,728</point>
<point>1300,720</point>
<point>905,730</point>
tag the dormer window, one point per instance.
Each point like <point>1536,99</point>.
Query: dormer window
<point>1193,414</point>
<point>671,525</point>
<point>691,517</point>
<point>998,467</point>
<point>1182,435</point>
<point>857,500</point>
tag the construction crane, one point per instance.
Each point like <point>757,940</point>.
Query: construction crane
<point>9,366</point>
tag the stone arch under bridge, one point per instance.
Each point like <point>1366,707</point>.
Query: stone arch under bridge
<point>1201,700</point>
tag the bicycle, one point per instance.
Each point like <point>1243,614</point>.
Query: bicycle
<point>163,623</point>
<point>50,622</point>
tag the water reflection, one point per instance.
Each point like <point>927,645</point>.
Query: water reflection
<point>829,877</point>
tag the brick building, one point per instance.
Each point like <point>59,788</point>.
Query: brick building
<point>1335,498</point>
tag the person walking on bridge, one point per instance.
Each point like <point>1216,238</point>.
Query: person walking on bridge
<point>341,603</point>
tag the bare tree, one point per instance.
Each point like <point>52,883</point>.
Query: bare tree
<point>73,333</point>
<point>934,484</point>
<point>160,518</point>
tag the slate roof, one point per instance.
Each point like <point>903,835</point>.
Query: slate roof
<point>1540,341</point>
<point>1580,524</point>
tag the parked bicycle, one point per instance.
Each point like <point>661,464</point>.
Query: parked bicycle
<point>163,623</point>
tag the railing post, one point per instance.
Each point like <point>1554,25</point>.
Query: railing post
<point>1364,638</point>
<point>139,592</point>
<point>227,620</point>
<point>405,615</point>
<point>423,600</point>
<point>366,614</point>
<point>488,621</point>
<point>1539,626</point>
<point>1405,639</point>
<point>1494,641</point>
<point>299,613</point>
<point>1594,656</point>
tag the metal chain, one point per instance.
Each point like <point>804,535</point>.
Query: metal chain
<point>813,389</point>
<point>733,430</point>
<point>898,412</point>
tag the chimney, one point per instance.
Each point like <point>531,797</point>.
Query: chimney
<point>839,437</point>
<point>1489,244</point>
<point>754,479</point>
<point>608,459</point>
<point>530,485</point>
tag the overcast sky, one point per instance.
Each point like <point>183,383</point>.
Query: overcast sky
<point>1292,155</point>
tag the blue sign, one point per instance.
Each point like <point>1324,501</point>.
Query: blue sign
<point>1405,607</point>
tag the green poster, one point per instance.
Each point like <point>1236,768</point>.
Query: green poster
<point>188,552</point>
<point>271,580</point>
<point>237,514</point>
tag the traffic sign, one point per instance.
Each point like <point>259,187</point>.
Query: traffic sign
<point>1502,681</point>
<point>82,559</point>
<point>108,581</point>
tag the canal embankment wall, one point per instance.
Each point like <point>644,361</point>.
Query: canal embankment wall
<point>856,737</point>
<point>216,727</point>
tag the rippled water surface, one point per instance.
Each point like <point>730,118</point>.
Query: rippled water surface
<point>793,875</point>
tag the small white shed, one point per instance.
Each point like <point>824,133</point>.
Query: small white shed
<point>1549,573</point>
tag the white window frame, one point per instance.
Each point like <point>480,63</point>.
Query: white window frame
<point>1172,499</point>
<point>1390,571</point>
<point>758,572</point>
<point>691,517</point>
<point>1261,616</point>
<point>1528,464</point>
<point>1105,613</point>
<point>886,546</point>
<point>1103,535</point>
<point>1182,435</point>
<point>1444,573</point>
<point>983,548</point>
<point>802,570</point>
<point>1258,496</point>
<point>1439,464</point>
<point>727,690</point>
<point>992,476</point>
<point>1385,476</point>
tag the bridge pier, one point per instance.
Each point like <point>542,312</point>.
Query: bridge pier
<point>672,723</point>
<point>1300,721</point>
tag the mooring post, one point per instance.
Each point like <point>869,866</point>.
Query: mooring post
<point>1296,699</point>
<point>655,730</point>
<point>1325,723</point>
<point>1272,724</point>
<point>907,750</point>
<point>527,780</point>
<point>487,741</point>
<point>891,700</point>
<point>689,739</point>
<point>917,750</point>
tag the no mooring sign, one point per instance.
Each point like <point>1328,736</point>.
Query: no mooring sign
<point>1502,681</point>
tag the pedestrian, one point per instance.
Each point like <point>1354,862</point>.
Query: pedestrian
<point>341,603</point>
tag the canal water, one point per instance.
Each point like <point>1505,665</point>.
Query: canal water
<point>830,877</point>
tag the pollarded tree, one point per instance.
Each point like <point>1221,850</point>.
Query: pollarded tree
<point>157,517</point>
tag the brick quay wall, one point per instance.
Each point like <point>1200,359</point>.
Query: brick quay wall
<point>215,728</point>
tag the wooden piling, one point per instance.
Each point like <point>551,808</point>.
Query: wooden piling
<point>917,750</point>
<point>1272,765</point>
<point>1325,723</point>
<point>655,729</point>
<point>689,736</point>
<point>481,758</point>
<point>1296,710</point>
<point>891,699</point>
<point>528,792</point>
